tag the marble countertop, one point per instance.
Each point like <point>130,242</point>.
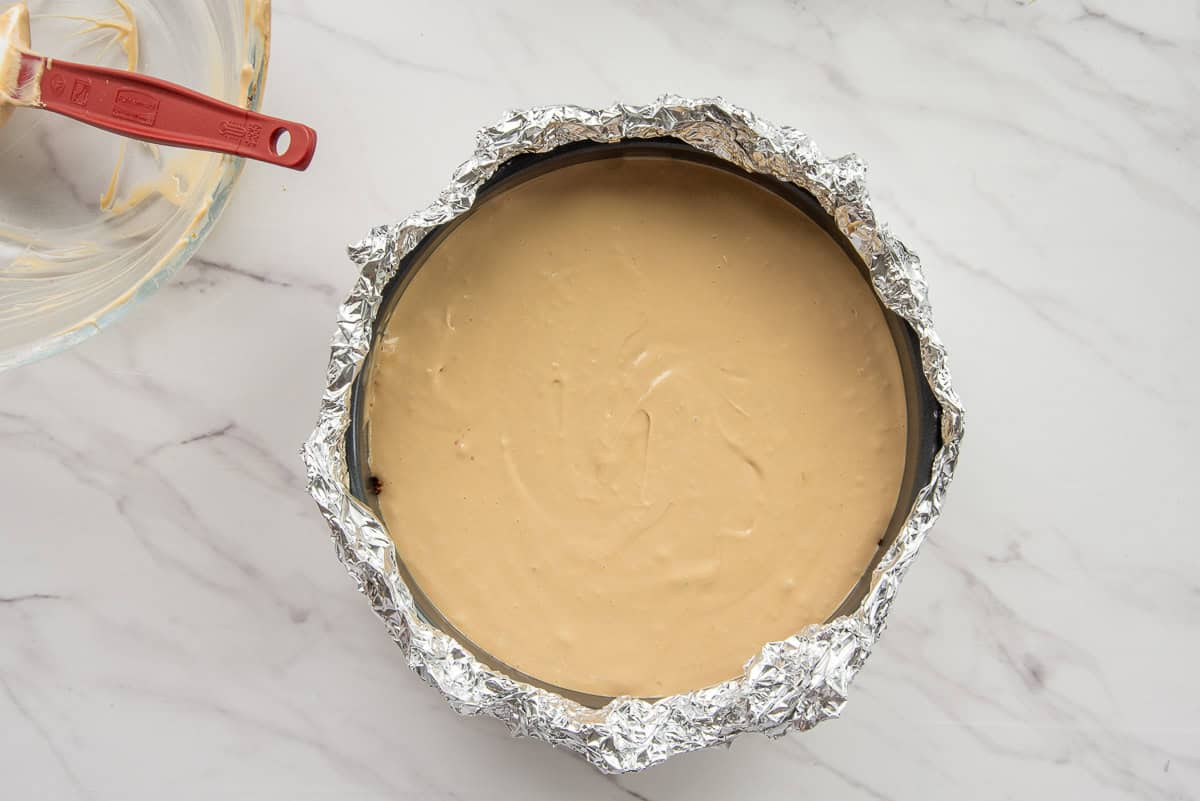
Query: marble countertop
<point>173,622</point>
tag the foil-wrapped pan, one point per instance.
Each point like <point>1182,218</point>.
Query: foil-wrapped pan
<point>792,684</point>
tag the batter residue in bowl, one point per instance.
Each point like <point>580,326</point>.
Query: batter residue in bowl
<point>633,419</point>
<point>14,40</point>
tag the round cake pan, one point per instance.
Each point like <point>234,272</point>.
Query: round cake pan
<point>923,410</point>
<point>791,684</point>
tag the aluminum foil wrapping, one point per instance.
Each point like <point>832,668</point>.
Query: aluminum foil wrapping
<point>793,684</point>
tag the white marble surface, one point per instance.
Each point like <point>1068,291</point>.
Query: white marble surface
<point>173,622</point>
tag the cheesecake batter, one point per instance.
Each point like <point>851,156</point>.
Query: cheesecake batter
<point>632,420</point>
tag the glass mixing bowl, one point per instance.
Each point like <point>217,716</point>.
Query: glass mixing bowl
<point>91,223</point>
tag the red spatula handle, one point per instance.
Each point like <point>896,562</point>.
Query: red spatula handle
<point>153,110</point>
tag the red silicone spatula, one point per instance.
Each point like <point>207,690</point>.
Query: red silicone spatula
<point>141,107</point>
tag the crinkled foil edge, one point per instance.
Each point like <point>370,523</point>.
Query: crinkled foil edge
<point>792,684</point>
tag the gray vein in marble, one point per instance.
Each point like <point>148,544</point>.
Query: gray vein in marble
<point>165,557</point>
<point>247,574</point>
<point>516,30</point>
<point>731,26</point>
<point>634,794</point>
<point>817,20</point>
<point>1109,761</point>
<point>286,476</point>
<point>930,765</point>
<point>946,256</point>
<point>1104,91</point>
<point>205,265</point>
<point>841,775</point>
<point>71,459</point>
<point>216,432</point>
<point>32,596</point>
<point>499,66</point>
<point>44,733</point>
<point>351,766</point>
<point>1107,764</point>
<point>997,608</point>
<point>1119,163</point>
<point>134,382</point>
<point>364,45</point>
<point>1092,15</point>
<point>200,274</point>
<point>1149,190</point>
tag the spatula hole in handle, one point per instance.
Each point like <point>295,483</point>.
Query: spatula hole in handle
<point>281,140</point>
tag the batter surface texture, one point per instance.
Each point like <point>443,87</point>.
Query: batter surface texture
<point>633,419</point>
